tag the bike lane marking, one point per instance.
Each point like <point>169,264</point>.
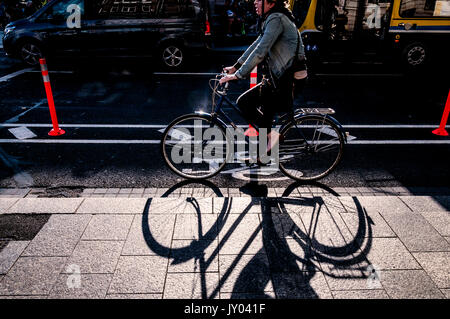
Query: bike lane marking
<point>13,75</point>
<point>163,126</point>
<point>104,141</point>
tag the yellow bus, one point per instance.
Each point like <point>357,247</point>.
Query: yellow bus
<point>414,32</point>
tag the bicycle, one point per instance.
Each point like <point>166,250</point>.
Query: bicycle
<point>311,142</point>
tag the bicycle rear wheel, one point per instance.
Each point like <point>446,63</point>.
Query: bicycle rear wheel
<point>311,147</point>
<point>194,146</point>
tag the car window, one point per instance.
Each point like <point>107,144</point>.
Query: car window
<point>119,9</point>
<point>61,10</point>
<point>425,8</point>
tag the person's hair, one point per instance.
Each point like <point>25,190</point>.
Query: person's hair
<point>283,7</point>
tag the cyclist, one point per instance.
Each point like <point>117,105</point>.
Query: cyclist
<point>276,46</point>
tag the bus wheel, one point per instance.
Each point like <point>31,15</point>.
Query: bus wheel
<point>415,55</point>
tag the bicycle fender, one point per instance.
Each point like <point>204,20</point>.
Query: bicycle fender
<point>215,119</point>
<point>344,134</point>
<point>332,119</point>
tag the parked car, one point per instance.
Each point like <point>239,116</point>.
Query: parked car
<point>168,30</point>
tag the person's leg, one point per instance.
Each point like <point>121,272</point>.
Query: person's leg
<point>248,102</point>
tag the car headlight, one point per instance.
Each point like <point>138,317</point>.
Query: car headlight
<point>9,29</point>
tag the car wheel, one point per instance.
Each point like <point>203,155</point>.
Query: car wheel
<point>172,56</point>
<point>415,55</point>
<point>30,53</point>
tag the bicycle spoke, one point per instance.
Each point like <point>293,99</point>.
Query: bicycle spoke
<point>194,147</point>
<point>311,148</point>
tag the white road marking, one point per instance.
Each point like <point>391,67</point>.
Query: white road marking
<point>13,75</point>
<point>185,73</point>
<point>22,132</point>
<point>17,117</point>
<point>80,141</point>
<point>159,126</point>
<point>55,72</point>
<point>75,141</point>
<point>328,131</point>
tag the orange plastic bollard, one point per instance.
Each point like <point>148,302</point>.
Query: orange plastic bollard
<point>251,131</point>
<point>254,77</point>
<point>441,129</point>
<point>56,131</point>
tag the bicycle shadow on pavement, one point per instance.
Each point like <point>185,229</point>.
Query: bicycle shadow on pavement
<point>261,247</point>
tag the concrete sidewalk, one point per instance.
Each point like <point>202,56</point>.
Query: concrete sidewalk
<point>309,243</point>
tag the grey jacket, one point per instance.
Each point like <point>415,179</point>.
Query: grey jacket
<point>278,40</point>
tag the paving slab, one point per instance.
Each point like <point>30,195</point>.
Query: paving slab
<point>284,225</point>
<point>112,206</point>
<point>150,235</point>
<point>377,203</point>
<point>300,205</point>
<point>427,203</point>
<point>6,203</point>
<point>10,253</point>
<point>299,257</point>
<point>139,274</point>
<point>32,276</point>
<point>190,226</point>
<point>327,229</point>
<point>20,227</point>
<point>245,274</point>
<point>446,293</point>
<point>134,296</point>
<point>352,277</point>
<point>203,206</point>
<point>167,206</point>
<point>264,295</point>
<point>95,257</point>
<point>237,205</point>
<point>360,294</point>
<point>191,286</point>
<point>437,266</point>
<point>389,254</point>
<point>108,227</point>
<point>59,236</point>
<point>241,234</point>
<point>194,256</point>
<point>370,224</point>
<point>416,232</point>
<point>439,220</point>
<point>409,284</point>
<point>90,287</point>
<point>333,203</point>
<point>301,285</point>
<point>45,206</point>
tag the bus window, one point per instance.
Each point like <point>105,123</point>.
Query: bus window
<point>424,8</point>
<point>376,17</point>
<point>300,10</point>
<point>336,18</point>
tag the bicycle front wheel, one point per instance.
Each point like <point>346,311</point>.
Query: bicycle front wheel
<point>311,148</point>
<point>194,146</point>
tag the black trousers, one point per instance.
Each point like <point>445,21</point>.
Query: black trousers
<point>260,104</point>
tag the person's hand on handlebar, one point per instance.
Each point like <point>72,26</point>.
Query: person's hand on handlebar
<point>229,70</point>
<point>228,77</point>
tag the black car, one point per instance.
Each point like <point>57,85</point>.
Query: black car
<point>169,30</point>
